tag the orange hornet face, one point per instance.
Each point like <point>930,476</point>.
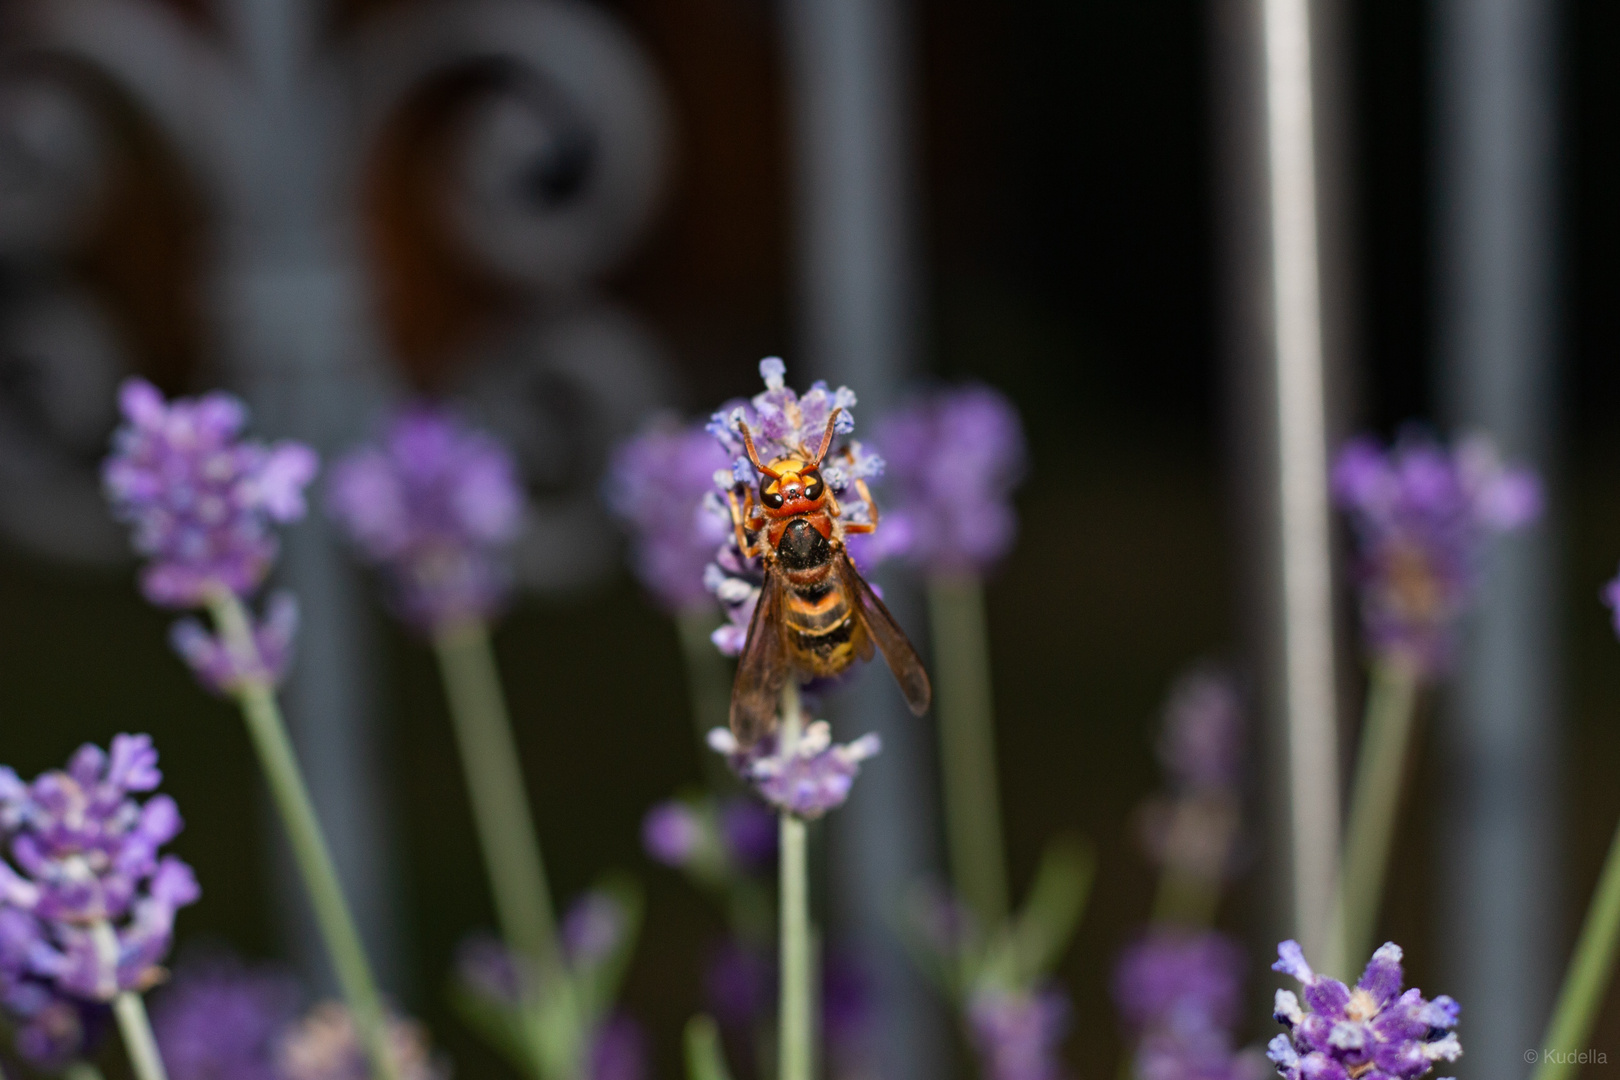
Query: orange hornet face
<point>792,487</point>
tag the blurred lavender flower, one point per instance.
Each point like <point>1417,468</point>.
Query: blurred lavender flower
<point>1180,979</point>
<point>1373,1031</point>
<point>847,1016</point>
<point>1017,1033</point>
<point>200,499</point>
<point>954,458</point>
<point>50,1029</point>
<point>1611,597</point>
<point>1421,515</point>
<point>619,1050</point>
<point>816,776</point>
<point>593,929</point>
<point>88,855</point>
<point>783,425</point>
<point>661,485</point>
<point>748,832</point>
<point>323,1046</point>
<point>218,1020</point>
<point>1202,745</point>
<point>435,506</point>
<point>224,673</point>
<point>672,833</point>
<point>1201,1054</point>
<point>492,971</point>
<point>739,983</point>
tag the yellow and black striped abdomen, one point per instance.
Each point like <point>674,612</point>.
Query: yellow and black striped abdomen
<point>823,632</point>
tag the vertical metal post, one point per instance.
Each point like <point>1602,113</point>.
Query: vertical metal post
<point>849,70</point>
<point>1275,328</point>
<point>1496,178</point>
<point>296,337</point>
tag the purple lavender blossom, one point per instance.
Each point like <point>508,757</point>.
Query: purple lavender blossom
<point>672,833</point>
<point>661,485</point>
<point>218,1020</point>
<point>494,972</point>
<point>436,505</point>
<point>1201,1054</point>
<point>593,929</point>
<point>220,670</point>
<point>1179,979</point>
<point>1202,744</point>
<point>738,984</point>
<point>1017,1033</point>
<point>812,778</point>
<point>50,1029</point>
<point>619,1050</point>
<point>88,854</point>
<point>323,1046</point>
<point>1374,1032</point>
<point>783,425</point>
<point>1421,516</point>
<point>954,458</point>
<point>749,833</point>
<point>1611,597</point>
<point>199,498</point>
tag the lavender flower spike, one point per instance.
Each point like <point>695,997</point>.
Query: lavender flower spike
<point>323,1046</point>
<point>199,498</point>
<point>1017,1034</point>
<point>222,1021</point>
<point>813,777</point>
<point>436,505</point>
<point>220,669</point>
<point>84,862</point>
<point>661,485</point>
<point>784,424</point>
<point>954,458</point>
<point>1421,515</point>
<point>1374,1032</point>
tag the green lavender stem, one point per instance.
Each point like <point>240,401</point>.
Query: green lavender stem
<point>1586,982</point>
<point>705,1060</point>
<point>308,842</point>
<point>1374,804</point>
<point>795,1042</point>
<point>967,744</point>
<point>130,1011</point>
<point>506,832</point>
<point>79,1070</point>
<point>489,758</point>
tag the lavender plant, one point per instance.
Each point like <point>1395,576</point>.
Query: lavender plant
<point>223,1021</point>
<point>954,458</point>
<point>87,904</point>
<point>1421,516</point>
<point>795,767</point>
<point>1180,994</point>
<point>1374,1031</point>
<point>202,503</point>
<point>435,506</point>
<point>661,486</point>
<point>1190,830</point>
<point>1179,987</point>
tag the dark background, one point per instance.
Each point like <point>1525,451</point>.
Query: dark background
<point>1070,251</point>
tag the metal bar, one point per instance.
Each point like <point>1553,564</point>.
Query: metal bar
<point>1305,554</point>
<point>848,65</point>
<point>1496,180</point>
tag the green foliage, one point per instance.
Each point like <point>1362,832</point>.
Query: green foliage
<point>704,1058</point>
